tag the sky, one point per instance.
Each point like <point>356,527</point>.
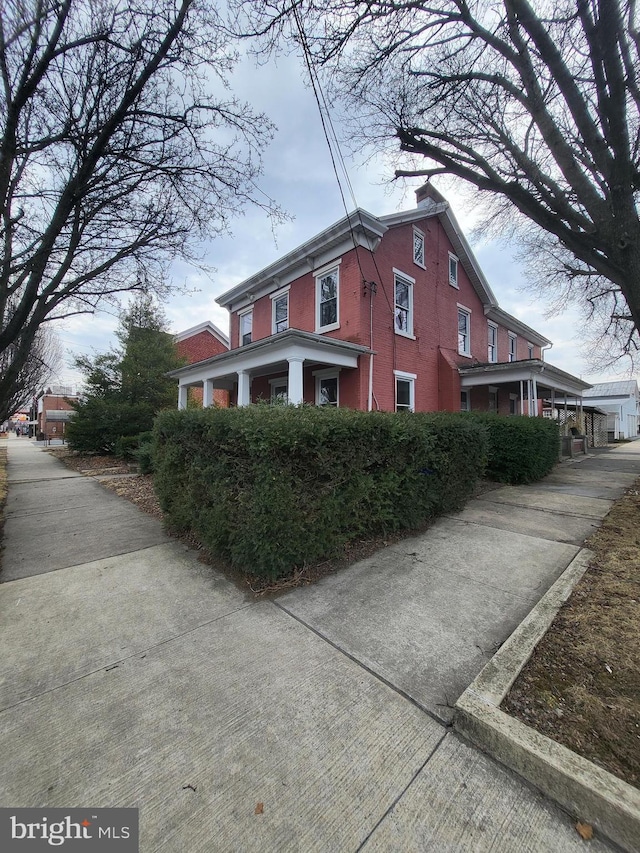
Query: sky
<point>299,175</point>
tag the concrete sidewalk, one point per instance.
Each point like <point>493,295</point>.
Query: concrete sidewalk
<point>133,675</point>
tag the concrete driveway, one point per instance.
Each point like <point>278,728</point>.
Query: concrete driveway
<point>141,678</point>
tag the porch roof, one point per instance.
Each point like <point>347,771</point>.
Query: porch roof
<point>271,355</point>
<point>508,372</point>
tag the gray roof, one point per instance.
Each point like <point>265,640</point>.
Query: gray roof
<point>624,388</point>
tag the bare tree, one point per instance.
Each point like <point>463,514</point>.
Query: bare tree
<point>120,148</point>
<point>535,104</point>
<point>41,366</point>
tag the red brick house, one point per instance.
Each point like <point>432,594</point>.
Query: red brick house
<point>199,343</point>
<point>53,411</point>
<point>389,312</point>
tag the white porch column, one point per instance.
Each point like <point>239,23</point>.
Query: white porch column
<point>244,390</point>
<point>207,393</point>
<point>296,383</point>
<point>534,395</point>
<point>182,396</point>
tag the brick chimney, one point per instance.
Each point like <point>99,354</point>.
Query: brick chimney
<point>427,194</point>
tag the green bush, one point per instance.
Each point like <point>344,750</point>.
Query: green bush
<point>98,425</point>
<point>521,449</point>
<point>128,446</point>
<point>271,488</point>
<point>144,453</point>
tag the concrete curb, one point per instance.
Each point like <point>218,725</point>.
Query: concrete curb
<point>587,791</point>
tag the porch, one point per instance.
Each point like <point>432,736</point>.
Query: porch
<point>522,387</point>
<point>284,356</point>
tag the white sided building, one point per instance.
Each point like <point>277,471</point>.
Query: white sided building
<point>621,402</point>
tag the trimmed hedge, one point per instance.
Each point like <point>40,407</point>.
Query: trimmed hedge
<point>271,488</point>
<point>521,449</point>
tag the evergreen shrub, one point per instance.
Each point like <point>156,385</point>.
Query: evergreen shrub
<point>271,488</point>
<point>521,449</point>
<point>99,425</point>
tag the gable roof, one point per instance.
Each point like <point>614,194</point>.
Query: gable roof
<point>207,326</point>
<point>361,228</point>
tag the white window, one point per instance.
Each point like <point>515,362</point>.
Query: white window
<point>246,326</point>
<point>403,310</point>
<point>327,296</point>
<point>512,347</point>
<point>279,390</point>
<point>530,350</point>
<point>327,388</point>
<point>492,332</point>
<point>453,270</point>
<point>465,401</point>
<point>418,248</point>
<point>405,391</point>
<point>279,312</point>
<point>464,331</point>
<point>493,399</point>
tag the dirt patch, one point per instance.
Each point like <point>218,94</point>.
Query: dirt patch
<point>582,684</point>
<point>90,464</point>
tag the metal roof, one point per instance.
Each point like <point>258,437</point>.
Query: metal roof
<point>623,388</point>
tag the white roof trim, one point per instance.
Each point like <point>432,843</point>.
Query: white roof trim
<point>207,326</point>
<point>272,351</point>
<point>366,228</point>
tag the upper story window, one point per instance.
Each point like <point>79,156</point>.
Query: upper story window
<point>512,347</point>
<point>530,350</point>
<point>280,312</point>
<point>327,295</point>
<point>418,248</point>
<point>464,331</point>
<point>492,340</point>
<point>403,310</point>
<point>246,326</point>
<point>453,270</point>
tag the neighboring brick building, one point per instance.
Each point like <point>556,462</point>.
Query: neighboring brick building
<point>199,343</point>
<point>53,411</point>
<point>388,312</point>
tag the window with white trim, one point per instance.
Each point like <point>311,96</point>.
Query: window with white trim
<point>327,388</point>
<point>418,248</point>
<point>403,310</point>
<point>465,401</point>
<point>279,389</point>
<point>464,331</point>
<point>280,312</point>
<point>405,391</point>
<point>492,341</point>
<point>453,270</point>
<point>530,350</point>
<point>512,347</point>
<point>246,327</point>
<point>327,295</point>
